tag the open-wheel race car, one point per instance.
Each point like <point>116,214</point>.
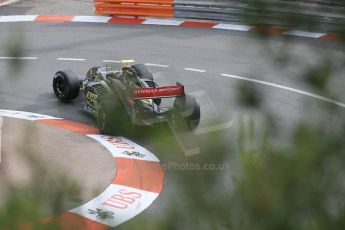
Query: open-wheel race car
<point>127,95</point>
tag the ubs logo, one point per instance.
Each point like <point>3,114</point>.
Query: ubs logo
<point>123,199</point>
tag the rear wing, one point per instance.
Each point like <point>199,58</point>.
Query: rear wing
<point>160,92</point>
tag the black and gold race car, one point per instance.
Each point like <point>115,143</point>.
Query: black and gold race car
<point>127,96</point>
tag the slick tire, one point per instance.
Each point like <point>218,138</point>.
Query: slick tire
<point>194,119</point>
<point>66,85</point>
<point>189,103</point>
<point>143,71</point>
<point>112,118</point>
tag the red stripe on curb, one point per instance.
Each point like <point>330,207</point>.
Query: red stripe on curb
<point>126,20</point>
<point>57,18</point>
<point>67,221</point>
<point>268,30</point>
<point>71,221</point>
<point>70,125</point>
<point>330,37</point>
<point>144,175</point>
<point>198,24</point>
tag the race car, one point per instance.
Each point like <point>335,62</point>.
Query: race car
<point>127,95</point>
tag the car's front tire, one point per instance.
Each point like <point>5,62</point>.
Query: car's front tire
<point>66,85</point>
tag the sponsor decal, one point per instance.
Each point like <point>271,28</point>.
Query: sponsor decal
<point>116,205</point>
<point>124,148</point>
<point>166,91</point>
<point>118,142</point>
<point>134,153</point>
<point>91,96</point>
<point>35,116</point>
<point>123,199</point>
<point>100,214</point>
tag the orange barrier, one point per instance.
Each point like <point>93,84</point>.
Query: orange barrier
<point>153,8</point>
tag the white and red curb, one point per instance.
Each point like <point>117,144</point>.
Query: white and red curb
<point>165,22</point>
<point>137,183</point>
<point>8,2</point>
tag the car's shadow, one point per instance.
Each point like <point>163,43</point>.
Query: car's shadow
<point>162,139</point>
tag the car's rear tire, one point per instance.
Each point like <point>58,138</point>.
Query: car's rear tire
<point>188,103</point>
<point>143,71</point>
<point>112,118</point>
<point>193,120</point>
<point>105,118</point>
<point>66,85</point>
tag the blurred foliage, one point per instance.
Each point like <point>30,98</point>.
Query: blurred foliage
<point>27,205</point>
<point>295,185</point>
<point>319,76</point>
<point>15,48</point>
<point>248,95</point>
<point>313,15</point>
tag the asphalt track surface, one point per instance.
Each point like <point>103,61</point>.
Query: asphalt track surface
<point>196,57</point>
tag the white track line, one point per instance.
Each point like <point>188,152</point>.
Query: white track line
<point>18,58</point>
<point>71,59</point>
<point>214,128</point>
<point>287,89</point>
<point>111,61</point>
<point>157,65</point>
<point>195,70</point>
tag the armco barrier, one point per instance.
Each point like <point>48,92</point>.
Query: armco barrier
<point>211,10</point>
<point>304,14</point>
<point>322,15</point>
<point>153,8</point>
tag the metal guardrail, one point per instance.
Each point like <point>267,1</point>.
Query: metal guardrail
<point>320,15</point>
<point>325,15</point>
<point>213,10</point>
